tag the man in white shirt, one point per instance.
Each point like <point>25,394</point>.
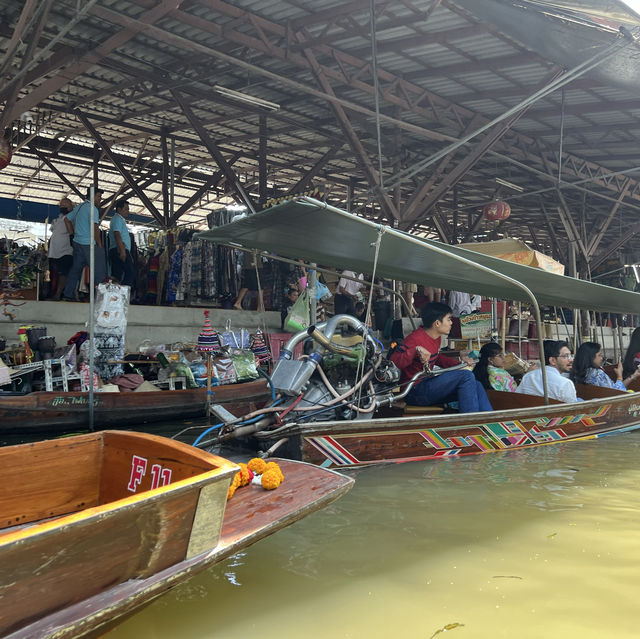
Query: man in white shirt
<point>559,360</point>
<point>60,250</point>
<point>347,294</point>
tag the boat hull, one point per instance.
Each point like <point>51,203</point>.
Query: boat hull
<point>250,515</point>
<point>60,411</point>
<point>350,444</point>
<point>81,514</point>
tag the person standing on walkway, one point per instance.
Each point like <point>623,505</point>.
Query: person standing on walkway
<point>60,251</point>
<point>80,220</point>
<point>120,245</point>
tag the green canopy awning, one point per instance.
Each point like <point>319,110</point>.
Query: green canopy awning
<point>316,232</point>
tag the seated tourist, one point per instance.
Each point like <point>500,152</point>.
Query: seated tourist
<point>587,369</point>
<point>631,359</point>
<point>489,369</point>
<point>558,359</point>
<point>421,348</point>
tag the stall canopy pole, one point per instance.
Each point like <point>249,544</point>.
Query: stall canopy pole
<point>92,257</point>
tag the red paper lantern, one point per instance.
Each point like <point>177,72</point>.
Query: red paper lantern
<point>496,211</point>
<point>5,153</point>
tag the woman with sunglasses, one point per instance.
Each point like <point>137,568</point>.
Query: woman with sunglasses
<point>489,369</point>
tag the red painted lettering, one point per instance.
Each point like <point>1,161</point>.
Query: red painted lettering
<point>138,470</point>
<point>166,476</point>
<point>158,473</point>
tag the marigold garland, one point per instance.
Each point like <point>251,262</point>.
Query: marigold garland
<point>257,465</point>
<point>246,475</point>
<point>270,479</point>
<point>273,466</point>
<point>272,475</point>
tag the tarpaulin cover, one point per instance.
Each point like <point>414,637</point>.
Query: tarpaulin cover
<point>311,230</point>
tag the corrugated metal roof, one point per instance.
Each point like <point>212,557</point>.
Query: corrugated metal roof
<point>445,69</point>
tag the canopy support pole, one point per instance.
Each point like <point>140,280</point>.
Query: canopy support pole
<point>92,256</point>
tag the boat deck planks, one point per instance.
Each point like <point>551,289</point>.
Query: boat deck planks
<point>252,514</point>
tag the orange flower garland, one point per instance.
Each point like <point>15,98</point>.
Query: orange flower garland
<point>257,465</point>
<point>270,479</point>
<point>272,475</point>
<point>274,466</point>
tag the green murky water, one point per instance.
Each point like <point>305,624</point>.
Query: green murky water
<point>528,544</point>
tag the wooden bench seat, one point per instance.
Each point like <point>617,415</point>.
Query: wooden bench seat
<point>589,391</point>
<point>503,400</point>
<point>410,410</point>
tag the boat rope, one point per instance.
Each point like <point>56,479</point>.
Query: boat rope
<point>367,316</point>
<point>261,308</point>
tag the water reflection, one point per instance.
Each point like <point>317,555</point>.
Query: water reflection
<point>528,544</point>
<point>531,543</point>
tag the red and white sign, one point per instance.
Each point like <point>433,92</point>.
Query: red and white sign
<point>159,476</point>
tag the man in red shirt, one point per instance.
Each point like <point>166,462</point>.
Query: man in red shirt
<point>422,347</point>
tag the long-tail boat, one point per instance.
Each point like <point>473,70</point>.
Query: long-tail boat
<point>339,409</point>
<point>53,411</point>
<point>92,527</point>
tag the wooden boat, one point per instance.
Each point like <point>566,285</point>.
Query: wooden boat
<point>316,427</point>
<point>95,526</point>
<point>52,411</point>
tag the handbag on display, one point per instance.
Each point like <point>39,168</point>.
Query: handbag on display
<point>234,339</point>
<point>244,363</point>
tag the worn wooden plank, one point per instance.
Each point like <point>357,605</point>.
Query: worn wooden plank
<point>251,515</point>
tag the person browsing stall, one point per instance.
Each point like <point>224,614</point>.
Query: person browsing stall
<point>347,293</point>
<point>79,224</point>
<point>290,299</point>
<point>558,359</point>
<point>587,369</point>
<point>120,245</point>
<point>421,348</point>
<point>60,250</point>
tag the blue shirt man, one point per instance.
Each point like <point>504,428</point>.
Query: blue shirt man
<point>80,217</point>
<point>122,268</point>
<point>119,226</point>
<point>79,224</point>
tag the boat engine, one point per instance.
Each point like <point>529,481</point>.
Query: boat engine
<point>343,375</point>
